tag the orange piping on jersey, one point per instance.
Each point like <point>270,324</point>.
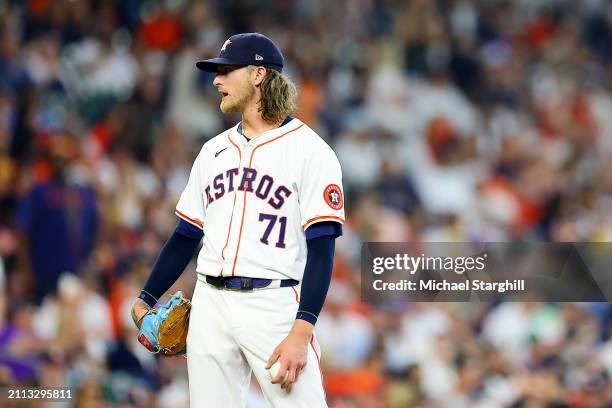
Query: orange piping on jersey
<point>240,232</point>
<point>297,299</point>
<point>190,220</point>
<point>229,228</point>
<point>270,141</point>
<point>324,217</point>
<point>245,192</point>
<point>318,361</point>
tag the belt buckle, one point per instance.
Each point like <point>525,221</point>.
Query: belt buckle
<point>244,285</point>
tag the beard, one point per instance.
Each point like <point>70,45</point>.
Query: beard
<point>237,102</point>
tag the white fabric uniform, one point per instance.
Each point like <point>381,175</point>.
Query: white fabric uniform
<point>254,201</point>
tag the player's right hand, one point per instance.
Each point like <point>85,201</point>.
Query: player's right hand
<point>292,352</point>
<point>139,310</point>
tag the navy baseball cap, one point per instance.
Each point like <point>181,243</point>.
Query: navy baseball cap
<point>246,49</point>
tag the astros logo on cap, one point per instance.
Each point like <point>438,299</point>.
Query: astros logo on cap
<point>225,44</point>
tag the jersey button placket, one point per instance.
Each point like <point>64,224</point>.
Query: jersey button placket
<point>232,235</point>
<point>241,200</point>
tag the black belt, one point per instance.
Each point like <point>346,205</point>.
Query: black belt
<point>241,283</point>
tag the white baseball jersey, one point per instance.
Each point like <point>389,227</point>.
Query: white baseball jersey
<point>255,199</point>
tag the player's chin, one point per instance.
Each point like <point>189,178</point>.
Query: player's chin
<point>226,106</point>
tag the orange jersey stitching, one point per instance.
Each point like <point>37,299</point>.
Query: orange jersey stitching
<point>189,219</point>
<point>244,204</point>
<point>229,228</point>
<point>330,217</point>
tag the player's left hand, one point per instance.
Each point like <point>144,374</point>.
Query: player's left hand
<point>139,310</point>
<point>292,352</point>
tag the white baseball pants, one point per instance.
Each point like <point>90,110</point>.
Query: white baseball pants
<point>232,334</point>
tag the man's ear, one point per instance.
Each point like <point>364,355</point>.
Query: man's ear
<point>259,73</point>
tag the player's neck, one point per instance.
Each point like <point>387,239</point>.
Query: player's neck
<point>253,124</point>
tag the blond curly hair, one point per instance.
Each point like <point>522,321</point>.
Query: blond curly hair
<point>278,96</point>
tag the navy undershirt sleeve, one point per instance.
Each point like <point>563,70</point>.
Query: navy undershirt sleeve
<point>319,229</point>
<point>318,270</point>
<point>189,230</point>
<point>171,262</point>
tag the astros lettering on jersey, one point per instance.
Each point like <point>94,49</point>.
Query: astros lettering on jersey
<point>255,199</point>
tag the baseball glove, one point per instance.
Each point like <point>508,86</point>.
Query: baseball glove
<point>163,329</point>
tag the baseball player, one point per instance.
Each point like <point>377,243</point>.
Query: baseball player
<point>265,199</point>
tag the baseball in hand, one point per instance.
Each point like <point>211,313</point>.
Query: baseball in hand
<point>274,371</point>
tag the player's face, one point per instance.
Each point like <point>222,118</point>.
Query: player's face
<point>235,87</point>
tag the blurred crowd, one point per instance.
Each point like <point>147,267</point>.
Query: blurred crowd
<point>454,120</point>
